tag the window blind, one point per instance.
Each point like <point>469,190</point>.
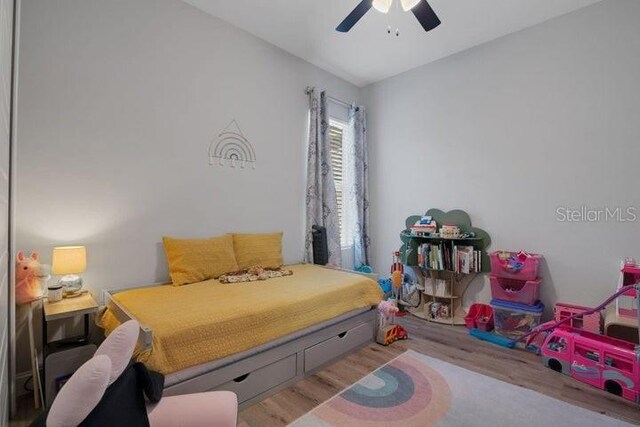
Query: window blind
<point>336,134</point>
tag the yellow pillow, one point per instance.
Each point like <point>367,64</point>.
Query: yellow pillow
<point>196,260</point>
<point>258,249</point>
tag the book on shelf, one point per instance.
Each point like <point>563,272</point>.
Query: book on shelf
<point>445,256</point>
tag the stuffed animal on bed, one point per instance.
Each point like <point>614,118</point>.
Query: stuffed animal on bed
<point>30,278</point>
<point>253,274</point>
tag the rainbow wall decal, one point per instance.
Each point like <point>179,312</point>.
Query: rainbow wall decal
<point>232,147</point>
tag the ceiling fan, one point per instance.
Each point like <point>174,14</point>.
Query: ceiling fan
<point>420,8</point>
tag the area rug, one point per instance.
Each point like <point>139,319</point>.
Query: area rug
<point>417,390</point>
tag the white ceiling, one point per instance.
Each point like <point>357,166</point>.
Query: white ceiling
<point>367,53</point>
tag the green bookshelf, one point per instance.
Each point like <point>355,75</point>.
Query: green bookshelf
<point>444,286</point>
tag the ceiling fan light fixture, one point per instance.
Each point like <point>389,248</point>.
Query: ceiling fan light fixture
<point>383,5</point>
<point>407,5</point>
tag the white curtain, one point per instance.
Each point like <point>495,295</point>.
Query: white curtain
<point>356,185</point>
<point>321,204</point>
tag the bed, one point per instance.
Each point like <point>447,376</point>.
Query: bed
<point>252,338</point>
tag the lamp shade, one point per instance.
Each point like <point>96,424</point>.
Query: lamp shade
<point>69,260</point>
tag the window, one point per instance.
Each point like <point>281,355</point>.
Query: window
<point>558,344</point>
<point>587,352</point>
<point>618,362</point>
<point>336,134</point>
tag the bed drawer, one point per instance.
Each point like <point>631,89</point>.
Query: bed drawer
<point>262,379</point>
<point>334,347</point>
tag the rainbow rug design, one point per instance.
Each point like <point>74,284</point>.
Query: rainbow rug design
<point>417,390</point>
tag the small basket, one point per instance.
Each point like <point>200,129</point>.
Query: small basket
<point>480,316</point>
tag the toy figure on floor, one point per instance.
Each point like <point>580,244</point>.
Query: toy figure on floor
<point>397,276</point>
<point>397,272</point>
<point>388,331</point>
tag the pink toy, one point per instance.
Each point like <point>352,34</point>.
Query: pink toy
<point>388,332</point>
<point>480,316</point>
<point>629,275</point>
<point>515,265</point>
<point>387,312</point>
<point>587,322</point>
<point>387,308</point>
<point>30,275</point>
<point>604,362</point>
<point>520,291</point>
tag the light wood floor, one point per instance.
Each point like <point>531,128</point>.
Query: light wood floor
<point>448,343</point>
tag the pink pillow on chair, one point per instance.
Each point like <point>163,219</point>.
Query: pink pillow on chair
<point>119,346</point>
<point>81,393</point>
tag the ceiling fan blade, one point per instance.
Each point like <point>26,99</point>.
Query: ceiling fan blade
<point>355,16</point>
<point>426,16</point>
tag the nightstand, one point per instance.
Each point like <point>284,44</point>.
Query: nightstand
<point>63,357</point>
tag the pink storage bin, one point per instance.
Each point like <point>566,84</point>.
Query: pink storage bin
<point>520,291</point>
<point>513,268</point>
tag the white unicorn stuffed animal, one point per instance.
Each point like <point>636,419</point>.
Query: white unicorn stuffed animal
<point>30,278</point>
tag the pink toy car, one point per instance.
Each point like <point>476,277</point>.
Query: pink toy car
<point>604,362</point>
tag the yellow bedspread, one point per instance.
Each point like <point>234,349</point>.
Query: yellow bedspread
<point>206,321</point>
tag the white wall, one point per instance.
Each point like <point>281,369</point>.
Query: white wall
<point>118,103</point>
<point>512,130</point>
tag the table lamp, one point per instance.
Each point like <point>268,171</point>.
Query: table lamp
<point>68,261</point>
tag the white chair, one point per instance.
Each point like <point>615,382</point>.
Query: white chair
<point>86,388</point>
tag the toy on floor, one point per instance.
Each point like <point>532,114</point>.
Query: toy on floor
<point>480,316</point>
<point>621,327</point>
<point>515,320</point>
<point>386,313</point>
<point>588,322</point>
<point>604,362</point>
<point>397,271</point>
<point>545,327</point>
<point>388,331</point>
<point>535,341</point>
<point>629,275</point>
<point>391,334</point>
<point>397,277</point>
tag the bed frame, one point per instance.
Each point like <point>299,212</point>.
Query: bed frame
<point>264,370</point>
